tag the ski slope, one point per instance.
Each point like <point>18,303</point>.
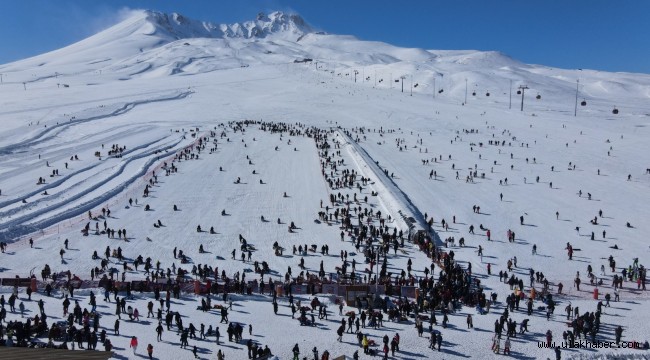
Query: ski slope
<point>154,89</point>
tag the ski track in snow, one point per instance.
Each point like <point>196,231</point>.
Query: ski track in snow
<point>62,180</point>
<point>37,139</point>
<point>21,225</point>
<point>139,63</point>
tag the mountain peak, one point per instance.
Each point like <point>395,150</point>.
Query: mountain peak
<point>177,26</point>
<point>279,21</point>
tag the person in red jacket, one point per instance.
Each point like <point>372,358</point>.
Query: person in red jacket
<point>134,344</point>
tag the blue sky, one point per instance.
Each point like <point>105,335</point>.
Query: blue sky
<point>592,34</point>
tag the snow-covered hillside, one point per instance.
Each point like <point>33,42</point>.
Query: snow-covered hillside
<point>152,44</point>
<point>158,86</point>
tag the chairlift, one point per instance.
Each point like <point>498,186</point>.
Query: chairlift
<point>583,103</point>
<point>416,85</point>
<point>518,92</point>
<point>538,96</point>
<point>440,91</point>
<point>615,111</point>
<point>396,80</point>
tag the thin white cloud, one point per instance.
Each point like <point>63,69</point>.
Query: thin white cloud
<point>107,18</point>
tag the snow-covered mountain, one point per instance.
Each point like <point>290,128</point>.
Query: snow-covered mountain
<point>146,30</point>
<point>176,26</point>
<point>151,103</point>
<point>153,44</point>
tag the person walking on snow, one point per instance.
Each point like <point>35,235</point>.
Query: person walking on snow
<point>134,344</point>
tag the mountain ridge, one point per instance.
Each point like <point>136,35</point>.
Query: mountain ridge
<point>150,44</point>
<point>179,26</point>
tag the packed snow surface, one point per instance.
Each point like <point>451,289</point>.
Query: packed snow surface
<point>154,84</point>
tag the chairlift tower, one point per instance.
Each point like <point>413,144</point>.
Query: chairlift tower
<point>465,91</point>
<point>523,90</point>
<point>510,104</point>
<point>575,110</point>
<point>402,77</point>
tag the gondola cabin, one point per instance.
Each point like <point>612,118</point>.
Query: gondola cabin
<point>538,97</point>
<point>583,103</point>
<point>615,111</point>
<point>487,93</point>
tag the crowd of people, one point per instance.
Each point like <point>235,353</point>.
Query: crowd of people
<point>445,287</point>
